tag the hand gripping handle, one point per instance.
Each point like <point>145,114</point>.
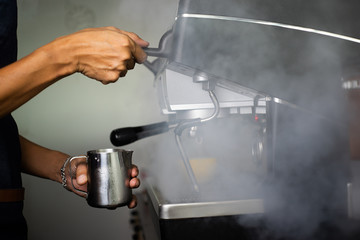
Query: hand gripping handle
<point>71,175</point>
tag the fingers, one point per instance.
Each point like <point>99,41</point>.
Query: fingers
<point>134,183</point>
<point>105,54</point>
<point>134,171</point>
<point>130,64</point>
<point>138,40</point>
<point>138,53</point>
<point>77,180</point>
<point>131,55</point>
<point>123,73</point>
<point>81,174</point>
<point>133,202</point>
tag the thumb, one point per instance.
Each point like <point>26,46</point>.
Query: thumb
<point>81,174</point>
<point>138,40</point>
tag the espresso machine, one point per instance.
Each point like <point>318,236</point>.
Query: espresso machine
<point>256,145</point>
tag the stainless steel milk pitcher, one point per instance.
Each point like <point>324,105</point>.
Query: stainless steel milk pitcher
<point>109,173</point>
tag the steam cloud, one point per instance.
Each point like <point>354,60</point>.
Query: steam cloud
<point>303,179</point>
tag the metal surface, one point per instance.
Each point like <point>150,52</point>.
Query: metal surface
<point>261,67</point>
<point>108,177</point>
<point>270,56</point>
<point>351,84</point>
<point>274,24</point>
<point>178,131</point>
<point>168,210</point>
<point>211,209</point>
<point>179,93</point>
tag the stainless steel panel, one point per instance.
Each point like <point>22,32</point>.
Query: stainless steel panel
<point>168,210</point>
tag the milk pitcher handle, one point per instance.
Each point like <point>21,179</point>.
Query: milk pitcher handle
<point>71,175</point>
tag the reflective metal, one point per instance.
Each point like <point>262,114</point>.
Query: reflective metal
<point>274,24</point>
<point>108,178</point>
<point>167,210</point>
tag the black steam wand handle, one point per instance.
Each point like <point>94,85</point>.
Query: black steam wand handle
<point>127,135</point>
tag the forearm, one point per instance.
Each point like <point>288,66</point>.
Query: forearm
<point>104,54</point>
<point>24,79</point>
<point>42,162</point>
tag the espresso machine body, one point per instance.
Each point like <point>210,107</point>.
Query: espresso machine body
<point>256,88</point>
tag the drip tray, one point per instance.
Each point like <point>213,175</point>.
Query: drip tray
<point>195,206</point>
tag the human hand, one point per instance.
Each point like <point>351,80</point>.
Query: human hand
<point>104,54</point>
<point>81,181</point>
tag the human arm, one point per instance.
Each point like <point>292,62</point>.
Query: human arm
<point>104,54</point>
<point>40,161</point>
<point>46,163</point>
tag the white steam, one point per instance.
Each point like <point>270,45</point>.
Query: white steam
<point>303,179</point>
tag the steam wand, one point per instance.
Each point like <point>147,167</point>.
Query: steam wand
<point>182,126</point>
